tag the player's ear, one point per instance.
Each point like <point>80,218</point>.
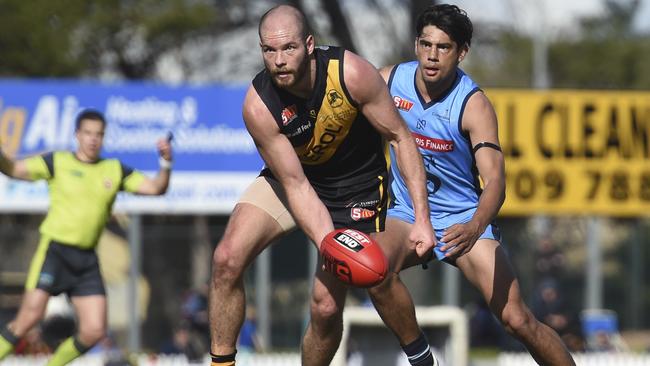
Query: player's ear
<point>309,42</point>
<point>463,52</point>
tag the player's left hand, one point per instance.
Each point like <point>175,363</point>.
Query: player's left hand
<point>164,146</point>
<point>460,238</point>
<point>422,238</point>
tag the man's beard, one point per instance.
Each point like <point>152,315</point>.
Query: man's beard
<point>292,77</point>
<point>288,80</point>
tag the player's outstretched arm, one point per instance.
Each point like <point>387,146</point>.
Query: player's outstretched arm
<point>480,121</point>
<point>368,88</point>
<point>158,185</point>
<point>14,169</point>
<point>276,150</point>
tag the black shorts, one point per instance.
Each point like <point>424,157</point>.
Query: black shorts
<point>361,207</point>
<point>59,268</point>
<point>365,210</point>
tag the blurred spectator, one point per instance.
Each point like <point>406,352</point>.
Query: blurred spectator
<point>194,309</point>
<point>485,330</point>
<point>192,337</point>
<point>113,355</point>
<point>549,307</point>
<point>194,312</point>
<point>602,342</point>
<point>184,342</point>
<point>178,343</point>
<point>550,261</point>
<point>248,341</point>
<point>601,331</point>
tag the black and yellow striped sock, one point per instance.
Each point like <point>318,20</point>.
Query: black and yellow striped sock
<point>7,342</point>
<point>223,360</point>
<point>67,351</point>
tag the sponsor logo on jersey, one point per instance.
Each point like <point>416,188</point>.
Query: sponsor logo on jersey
<point>289,114</point>
<point>108,184</point>
<point>433,144</point>
<point>300,130</point>
<point>334,98</point>
<point>324,141</point>
<point>351,240</point>
<point>45,279</point>
<point>360,213</point>
<point>371,203</point>
<point>402,104</point>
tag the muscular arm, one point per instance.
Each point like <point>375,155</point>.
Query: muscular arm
<point>479,120</point>
<point>368,89</point>
<point>14,169</point>
<point>276,150</point>
<point>158,185</point>
<point>481,123</point>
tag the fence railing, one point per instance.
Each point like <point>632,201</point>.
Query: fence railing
<point>293,359</point>
<point>270,359</point>
<point>584,359</point>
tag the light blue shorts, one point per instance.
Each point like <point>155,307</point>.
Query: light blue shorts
<point>491,232</point>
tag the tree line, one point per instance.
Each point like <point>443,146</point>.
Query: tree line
<point>79,38</point>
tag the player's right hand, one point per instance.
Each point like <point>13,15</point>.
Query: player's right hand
<point>165,148</point>
<point>422,238</point>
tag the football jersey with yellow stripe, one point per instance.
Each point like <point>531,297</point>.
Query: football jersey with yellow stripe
<point>340,151</point>
<point>81,195</point>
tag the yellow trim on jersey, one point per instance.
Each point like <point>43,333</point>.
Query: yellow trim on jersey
<point>37,168</point>
<point>381,197</point>
<point>36,265</point>
<point>387,157</point>
<point>133,181</point>
<point>333,122</point>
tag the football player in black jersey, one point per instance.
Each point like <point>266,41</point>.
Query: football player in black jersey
<point>318,117</point>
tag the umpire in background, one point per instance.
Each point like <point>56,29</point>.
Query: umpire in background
<point>82,189</point>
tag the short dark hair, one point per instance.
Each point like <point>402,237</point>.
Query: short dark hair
<point>450,19</point>
<point>89,114</point>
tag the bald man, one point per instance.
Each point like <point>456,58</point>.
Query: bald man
<point>318,117</point>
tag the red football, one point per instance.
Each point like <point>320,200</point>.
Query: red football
<point>353,257</point>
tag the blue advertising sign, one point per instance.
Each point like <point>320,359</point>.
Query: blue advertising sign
<point>214,156</point>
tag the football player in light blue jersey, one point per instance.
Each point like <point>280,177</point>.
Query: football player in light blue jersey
<point>455,127</point>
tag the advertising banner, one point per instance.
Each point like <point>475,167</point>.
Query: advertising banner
<point>575,152</point>
<point>567,151</point>
<point>214,156</point>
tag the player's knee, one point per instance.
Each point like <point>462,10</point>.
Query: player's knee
<point>382,291</point>
<point>326,310</point>
<point>90,334</point>
<point>518,321</point>
<point>225,265</point>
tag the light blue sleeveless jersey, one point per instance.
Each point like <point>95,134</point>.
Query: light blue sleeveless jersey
<point>452,177</point>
